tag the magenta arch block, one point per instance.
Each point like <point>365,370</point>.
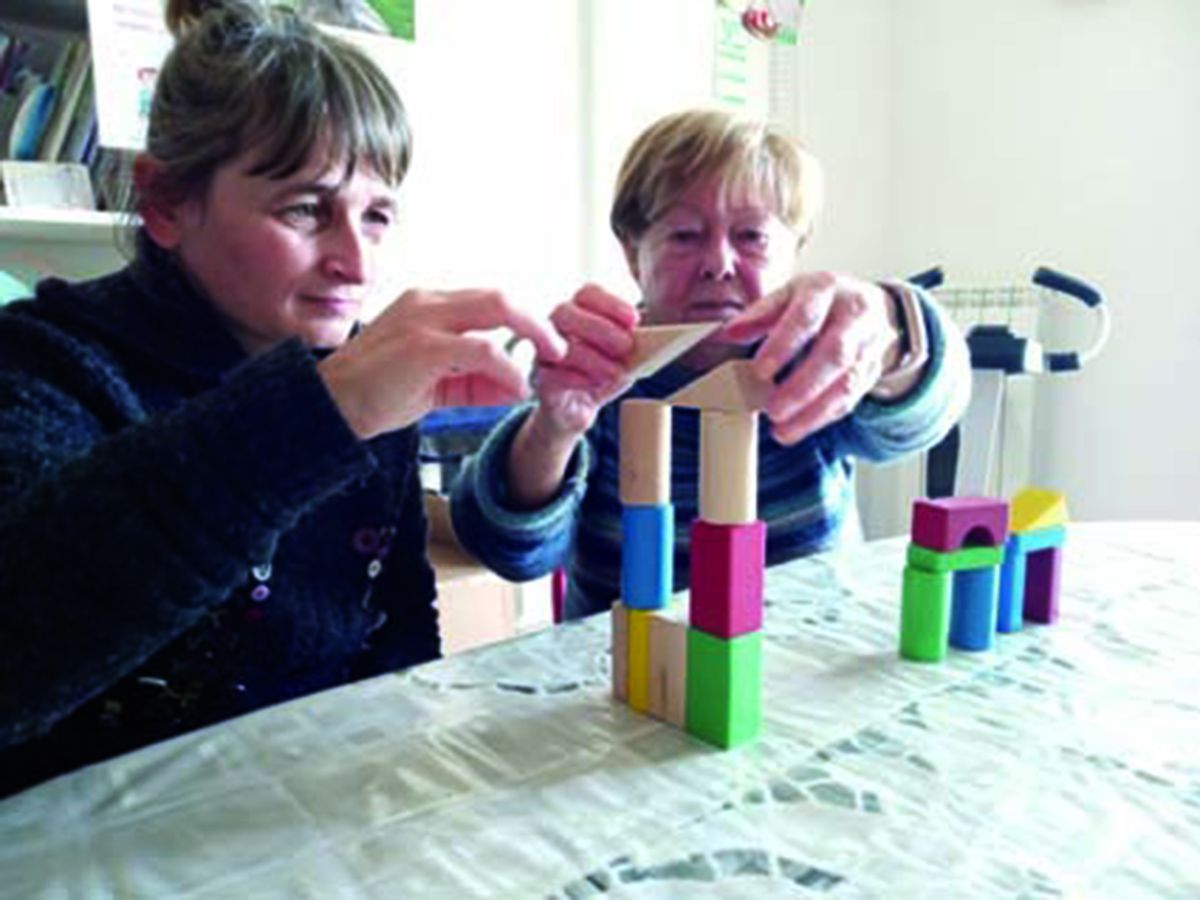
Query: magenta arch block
<point>948,524</point>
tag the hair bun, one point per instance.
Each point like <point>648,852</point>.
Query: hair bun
<point>182,15</point>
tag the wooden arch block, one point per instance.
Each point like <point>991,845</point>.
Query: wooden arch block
<point>732,387</point>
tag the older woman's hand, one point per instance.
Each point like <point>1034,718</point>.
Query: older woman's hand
<point>598,327</point>
<point>842,334</point>
<point>419,354</point>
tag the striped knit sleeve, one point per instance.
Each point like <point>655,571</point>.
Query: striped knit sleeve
<point>516,543</point>
<point>886,430</point>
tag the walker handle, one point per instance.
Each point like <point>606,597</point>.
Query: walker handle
<point>1067,284</point>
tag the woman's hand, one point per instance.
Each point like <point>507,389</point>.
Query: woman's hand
<point>849,334</point>
<point>419,354</point>
<point>598,328</point>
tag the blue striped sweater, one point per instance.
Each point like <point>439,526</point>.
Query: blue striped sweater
<point>806,491</point>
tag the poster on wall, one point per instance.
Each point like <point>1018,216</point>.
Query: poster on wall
<point>739,65</point>
<point>130,40</point>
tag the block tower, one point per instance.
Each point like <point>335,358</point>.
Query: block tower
<point>703,674</point>
<point>977,566</point>
<point>951,583</point>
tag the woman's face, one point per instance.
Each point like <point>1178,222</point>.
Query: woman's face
<point>289,257</point>
<point>708,257</point>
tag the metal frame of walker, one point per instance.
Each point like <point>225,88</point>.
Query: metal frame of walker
<point>960,464</point>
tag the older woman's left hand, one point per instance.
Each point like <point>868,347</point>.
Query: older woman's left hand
<point>850,330</point>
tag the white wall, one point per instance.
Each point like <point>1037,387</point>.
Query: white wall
<point>993,137</point>
<point>497,188</point>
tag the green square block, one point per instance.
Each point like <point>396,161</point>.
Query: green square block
<point>967,558</point>
<point>724,687</point>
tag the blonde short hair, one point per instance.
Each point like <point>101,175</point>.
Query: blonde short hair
<point>689,147</point>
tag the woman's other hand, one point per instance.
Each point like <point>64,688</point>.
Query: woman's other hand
<point>848,332</point>
<point>421,354</point>
<point>598,327</point>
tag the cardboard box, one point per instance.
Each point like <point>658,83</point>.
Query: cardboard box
<point>475,605</point>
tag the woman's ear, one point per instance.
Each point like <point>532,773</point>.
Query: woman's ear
<point>159,215</point>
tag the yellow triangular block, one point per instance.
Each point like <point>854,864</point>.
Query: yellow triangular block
<point>731,387</point>
<point>656,345</point>
<point>1035,508</point>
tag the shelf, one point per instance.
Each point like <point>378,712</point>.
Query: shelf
<point>55,15</point>
<point>74,226</point>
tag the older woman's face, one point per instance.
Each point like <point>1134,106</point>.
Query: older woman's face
<point>291,257</point>
<point>708,257</point>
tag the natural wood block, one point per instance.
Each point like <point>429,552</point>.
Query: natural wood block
<point>668,670</point>
<point>724,688</point>
<point>645,436</point>
<point>731,386</point>
<point>620,651</point>
<point>727,577</point>
<point>656,345</point>
<point>728,467</point>
<point>951,523</point>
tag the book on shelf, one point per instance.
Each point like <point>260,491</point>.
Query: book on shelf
<point>44,92</point>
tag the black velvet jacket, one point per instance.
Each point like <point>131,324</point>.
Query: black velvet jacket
<point>146,467</point>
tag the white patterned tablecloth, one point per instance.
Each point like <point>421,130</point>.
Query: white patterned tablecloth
<point>1063,763</point>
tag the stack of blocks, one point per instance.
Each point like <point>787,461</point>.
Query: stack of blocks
<point>705,674</point>
<point>975,567</point>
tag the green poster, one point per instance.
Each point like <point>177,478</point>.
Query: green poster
<point>398,15</point>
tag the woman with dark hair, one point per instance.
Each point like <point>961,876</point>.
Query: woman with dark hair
<point>209,498</point>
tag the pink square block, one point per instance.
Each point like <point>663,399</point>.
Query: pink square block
<point>727,577</point>
<point>951,523</point>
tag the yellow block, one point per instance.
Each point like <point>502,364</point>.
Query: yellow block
<point>639,659</point>
<point>1035,508</point>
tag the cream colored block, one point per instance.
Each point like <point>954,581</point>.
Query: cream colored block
<point>645,452</point>
<point>656,345</point>
<point>1036,508</point>
<point>620,652</point>
<point>728,467</point>
<point>731,386</point>
<point>668,670</point>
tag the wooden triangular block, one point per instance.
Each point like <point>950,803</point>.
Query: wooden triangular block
<point>732,387</point>
<point>656,345</point>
